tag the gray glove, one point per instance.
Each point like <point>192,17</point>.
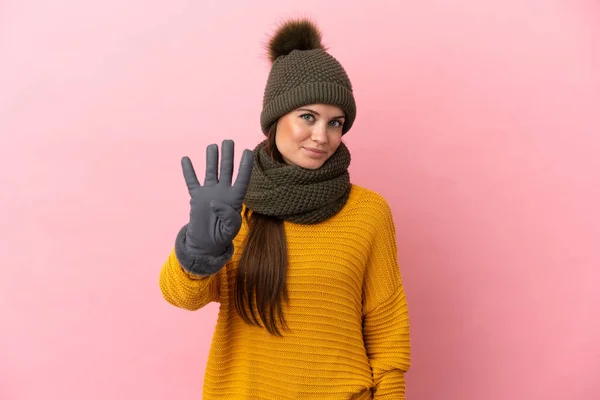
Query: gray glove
<point>205,244</point>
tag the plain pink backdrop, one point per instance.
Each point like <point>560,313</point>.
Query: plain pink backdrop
<point>477,120</point>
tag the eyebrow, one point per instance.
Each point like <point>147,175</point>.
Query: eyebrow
<point>314,112</point>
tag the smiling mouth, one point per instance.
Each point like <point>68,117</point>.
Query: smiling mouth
<point>314,150</point>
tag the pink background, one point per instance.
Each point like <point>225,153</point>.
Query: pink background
<point>478,120</point>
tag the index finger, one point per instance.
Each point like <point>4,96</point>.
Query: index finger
<point>245,171</point>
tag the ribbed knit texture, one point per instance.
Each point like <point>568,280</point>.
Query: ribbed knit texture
<point>306,77</point>
<point>349,334</point>
<point>292,193</point>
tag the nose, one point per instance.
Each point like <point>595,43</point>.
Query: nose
<point>319,133</point>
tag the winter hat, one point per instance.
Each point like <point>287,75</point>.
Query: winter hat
<point>303,72</point>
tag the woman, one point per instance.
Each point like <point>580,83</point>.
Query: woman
<point>302,262</point>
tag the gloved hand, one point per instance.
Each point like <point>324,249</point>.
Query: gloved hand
<point>205,244</point>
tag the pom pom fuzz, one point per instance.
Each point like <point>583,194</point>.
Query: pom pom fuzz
<point>297,34</point>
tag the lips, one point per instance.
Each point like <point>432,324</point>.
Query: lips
<point>315,151</point>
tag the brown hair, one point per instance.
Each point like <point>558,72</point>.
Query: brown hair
<point>263,265</point>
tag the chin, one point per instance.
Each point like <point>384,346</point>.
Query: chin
<point>307,163</point>
<point>310,164</point>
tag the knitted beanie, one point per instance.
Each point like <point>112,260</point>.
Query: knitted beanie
<point>302,73</point>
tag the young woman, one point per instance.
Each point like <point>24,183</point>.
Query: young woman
<point>302,262</point>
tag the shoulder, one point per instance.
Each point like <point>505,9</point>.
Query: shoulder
<point>369,211</point>
<point>369,202</point>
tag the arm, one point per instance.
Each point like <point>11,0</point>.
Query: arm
<point>188,280</point>
<point>191,276</point>
<point>387,339</point>
<point>186,290</point>
<point>386,329</point>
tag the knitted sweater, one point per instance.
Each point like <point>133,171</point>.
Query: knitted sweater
<point>348,336</point>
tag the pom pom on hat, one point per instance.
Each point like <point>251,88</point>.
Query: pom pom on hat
<point>296,34</point>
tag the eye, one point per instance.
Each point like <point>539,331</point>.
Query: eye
<point>336,123</point>
<point>308,117</point>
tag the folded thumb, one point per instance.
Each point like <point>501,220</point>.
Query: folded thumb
<point>224,211</point>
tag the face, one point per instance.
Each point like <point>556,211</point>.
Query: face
<point>309,135</point>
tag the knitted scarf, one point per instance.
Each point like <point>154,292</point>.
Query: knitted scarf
<point>297,194</point>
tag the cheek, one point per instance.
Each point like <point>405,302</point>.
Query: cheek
<point>296,131</point>
<point>290,134</point>
<point>336,141</point>
<point>283,140</point>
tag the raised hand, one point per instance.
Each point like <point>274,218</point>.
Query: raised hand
<point>216,205</point>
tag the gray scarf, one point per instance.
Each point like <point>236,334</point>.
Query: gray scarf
<point>297,194</point>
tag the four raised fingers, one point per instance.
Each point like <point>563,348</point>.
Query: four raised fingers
<point>226,170</point>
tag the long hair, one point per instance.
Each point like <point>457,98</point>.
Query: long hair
<point>262,271</point>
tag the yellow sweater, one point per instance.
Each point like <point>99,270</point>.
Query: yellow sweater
<point>348,318</point>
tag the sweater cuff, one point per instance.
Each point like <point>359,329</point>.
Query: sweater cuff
<point>199,264</point>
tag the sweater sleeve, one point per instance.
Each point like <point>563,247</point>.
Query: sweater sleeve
<point>185,290</point>
<point>386,328</point>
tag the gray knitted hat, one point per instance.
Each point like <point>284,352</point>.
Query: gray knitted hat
<point>303,72</point>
